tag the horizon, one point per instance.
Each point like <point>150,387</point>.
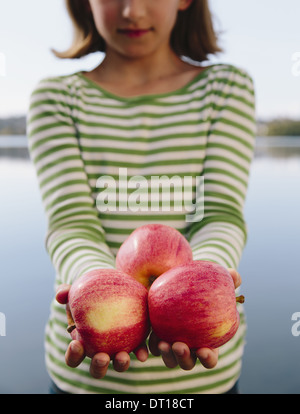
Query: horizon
<point>258,120</point>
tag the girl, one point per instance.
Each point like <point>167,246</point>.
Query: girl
<point>149,109</point>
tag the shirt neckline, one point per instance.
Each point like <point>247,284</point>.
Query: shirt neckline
<point>146,97</point>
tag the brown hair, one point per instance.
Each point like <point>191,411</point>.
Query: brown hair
<point>193,35</point>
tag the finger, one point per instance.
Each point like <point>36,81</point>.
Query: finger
<point>167,355</point>
<point>237,280</point>
<point>153,344</point>
<point>142,353</point>
<point>121,361</point>
<point>208,357</point>
<point>62,294</point>
<point>185,358</point>
<point>74,354</point>
<point>99,365</point>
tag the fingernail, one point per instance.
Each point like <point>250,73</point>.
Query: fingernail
<point>122,363</point>
<point>164,349</point>
<point>204,355</point>
<point>179,352</point>
<point>101,363</point>
<point>75,347</point>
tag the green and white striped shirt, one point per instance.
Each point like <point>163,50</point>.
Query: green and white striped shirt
<point>79,133</point>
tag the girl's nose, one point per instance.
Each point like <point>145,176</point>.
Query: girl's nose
<point>133,9</point>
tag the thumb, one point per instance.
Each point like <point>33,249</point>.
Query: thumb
<point>62,294</point>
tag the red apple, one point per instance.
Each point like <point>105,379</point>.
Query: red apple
<point>194,304</point>
<point>151,250</point>
<point>109,310</point>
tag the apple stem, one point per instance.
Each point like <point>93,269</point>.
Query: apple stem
<point>71,323</point>
<point>151,279</point>
<point>240,299</point>
<point>71,328</point>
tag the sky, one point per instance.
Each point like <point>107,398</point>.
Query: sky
<point>260,36</point>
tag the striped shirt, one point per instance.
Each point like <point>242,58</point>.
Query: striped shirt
<point>98,157</point>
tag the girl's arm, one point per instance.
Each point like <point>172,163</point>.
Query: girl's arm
<point>75,238</point>
<point>221,235</point>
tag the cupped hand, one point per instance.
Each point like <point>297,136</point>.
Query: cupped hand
<point>180,354</point>
<point>75,353</point>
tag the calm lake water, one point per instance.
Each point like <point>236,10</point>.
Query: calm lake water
<point>269,268</point>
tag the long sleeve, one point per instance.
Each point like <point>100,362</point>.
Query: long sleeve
<point>221,235</point>
<point>75,239</point>
<point>79,132</point>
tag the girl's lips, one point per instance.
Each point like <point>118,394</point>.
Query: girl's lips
<point>134,32</point>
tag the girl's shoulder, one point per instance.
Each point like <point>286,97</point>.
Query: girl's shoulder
<point>56,90</point>
<point>236,77</point>
<point>230,71</point>
<point>60,83</point>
